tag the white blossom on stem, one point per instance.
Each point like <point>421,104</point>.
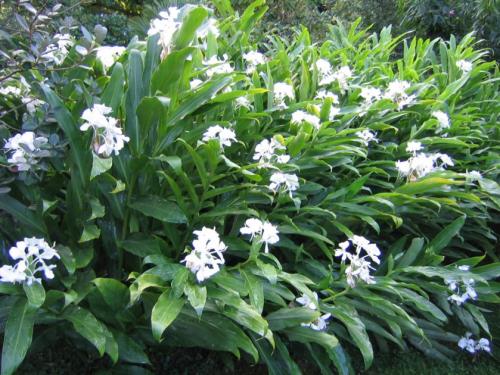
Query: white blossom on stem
<point>263,231</point>
<point>225,136</point>
<point>285,182</point>
<point>26,150</point>
<point>31,255</point>
<point>282,91</point>
<point>206,256</point>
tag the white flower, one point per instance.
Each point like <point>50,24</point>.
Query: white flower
<point>56,53</point>
<point>10,90</point>
<point>253,59</point>
<point>396,91</point>
<point>31,255</point>
<point>359,267</point>
<point>165,26</point>
<point>324,94</point>
<point>108,137</point>
<point>32,104</point>
<point>403,167</point>
<point>243,102</point>
<point>474,175</point>
<point>464,65</point>
<point>342,251</point>
<point>265,152</point>
<point>206,257</point>
<point>27,149</point>
<point>218,66</point>
<point>462,288</point>
<point>284,181</point>
<point>281,91</point>
<point>306,301</point>
<point>225,136</point>
<point>467,343</point>
<point>413,146</point>
<point>443,120</point>
<point>367,136</point>
<point>300,117</point>
<point>263,230</point>
<point>473,346</point>
<point>342,75</point>
<point>370,94</point>
<point>195,83</point>
<point>319,324</point>
<point>209,26</point>
<point>334,112</point>
<point>109,54</point>
<point>325,72</point>
<point>483,344</point>
<point>253,227</point>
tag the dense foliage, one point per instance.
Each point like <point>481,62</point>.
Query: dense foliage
<point>197,190</point>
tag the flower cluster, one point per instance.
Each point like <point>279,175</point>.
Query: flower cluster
<point>242,102</point>
<point>421,164</point>
<point>327,75</point>
<point>300,117</point>
<point>10,90</point>
<point>206,257</point>
<point>285,182</point>
<point>165,26</point>
<point>217,66</point>
<point>396,92</point>
<point>473,346</point>
<point>464,65</point>
<point>324,94</point>
<point>281,91</point>
<point>108,137</point>
<point>264,231</point>
<point>253,59</point>
<point>367,136</point>
<point>109,54</point>
<point>265,153</point>
<point>26,150</point>
<point>443,120</point>
<point>359,267</point>
<point>225,136</point>
<point>319,324</point>
<point>462,288</point>
<point>56,52</point>
<point>370,95</point>
<point>32,255</point>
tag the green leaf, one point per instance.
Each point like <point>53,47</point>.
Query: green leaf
<point>164,312</point>
<point>90,232</point>
<point>98,210</point>
<point>167,76</point>
<point>291,317</point>
<point>80,155</point>
<point>425,186</point>
<point>100,165</point>
<point>191,22</point>
<point>86,324</point>
<point>307,335</point>
<point>22,213</point>
<point>17,336</point>
<point>114,293</point>
<point>133,97</point>
<point>129,349</point>
<point>113,93</point>
<point>160,209</point>
<point>444,237</point>
<point>255,290</point>
<point>197,296</point>
<point>141,245</point>
<point>412,253</point>
<point>35,293</point>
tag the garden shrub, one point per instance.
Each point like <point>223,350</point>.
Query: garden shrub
<point>197,190</point>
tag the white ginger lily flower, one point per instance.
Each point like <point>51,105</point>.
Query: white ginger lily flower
<point>284,181</point>
<point>225,136</point>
